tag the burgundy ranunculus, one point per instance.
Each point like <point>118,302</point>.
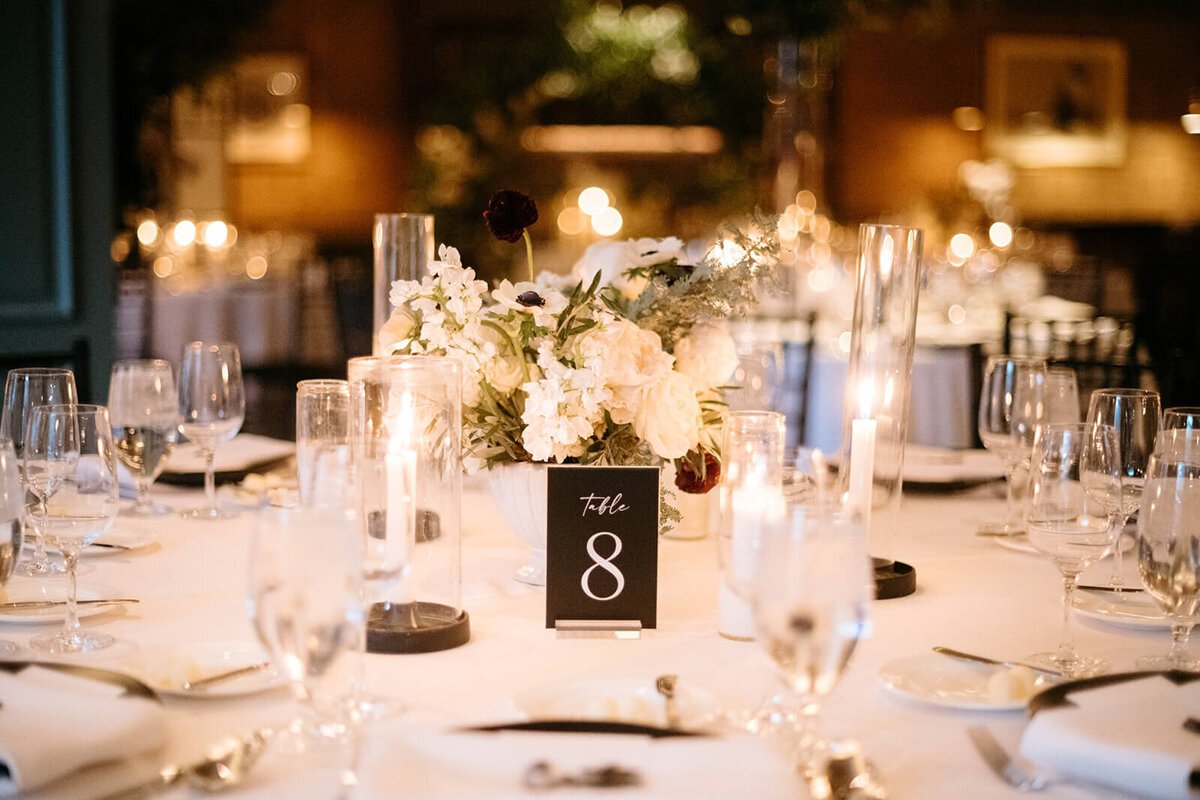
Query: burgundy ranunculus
<point>686,479</point>
<point>509,213</point>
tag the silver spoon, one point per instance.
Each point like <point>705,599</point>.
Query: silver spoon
<point>226,766</point>
<point>665,684</point>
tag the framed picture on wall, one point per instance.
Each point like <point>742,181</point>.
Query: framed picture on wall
<point>1056,101</point>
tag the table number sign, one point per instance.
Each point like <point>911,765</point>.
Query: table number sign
<point>602,544</point>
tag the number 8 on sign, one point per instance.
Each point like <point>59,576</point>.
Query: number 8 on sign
<point>604,563</point>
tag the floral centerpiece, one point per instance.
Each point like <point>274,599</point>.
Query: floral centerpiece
<point>621,362</point>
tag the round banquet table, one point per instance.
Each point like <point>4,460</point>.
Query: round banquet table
<point>973,595</point>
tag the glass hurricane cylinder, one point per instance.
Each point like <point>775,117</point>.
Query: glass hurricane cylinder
<point>322,442</point>
<point>406,454</point>
<point>882,339</point>
<point>404,244</point>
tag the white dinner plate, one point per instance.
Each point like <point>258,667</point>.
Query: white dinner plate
<point>166,669</point>
<point>20,589</point>
<point>630,700</point>
<point>126,539</point>
<point>1126,609</point>
<point>244,452</point>
<point>949,682</point>
<point>935,466</point>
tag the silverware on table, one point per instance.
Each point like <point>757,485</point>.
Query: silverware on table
<point>221,677</point>
<point>1002,763</point>
<point>665,684</point>
<point>543,775</point>
<point>1122,589</point>
<point>225,767</point>
<point>949,651</point>
<point>36,605</point>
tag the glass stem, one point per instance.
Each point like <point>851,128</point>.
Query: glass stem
<point>1119,521</point>
<point>1178,657</point>
<point>1066,656</point>
<point>1014,517</point>
<point>210,479</point>
<point>40,558</point>
<point>142,503</point>
<point>71,626</point>
<point>808,730</point>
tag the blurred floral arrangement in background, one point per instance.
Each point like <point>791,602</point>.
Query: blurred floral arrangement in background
<point>621,362</point>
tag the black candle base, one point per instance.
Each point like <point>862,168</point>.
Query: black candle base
<point>893,579</point>
<point>416,628</point>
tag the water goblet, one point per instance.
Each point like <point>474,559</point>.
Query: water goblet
<point>1187,417</point>
<point>1135,415</point>
<point>71,465</point>
<point>812,604</point>
<point>1074,480</point>
<point>143,406</point>
<point>24,390</point>
<point>322,441</point>
<point>212,406</point>
<point>1168,540</point>
<point>1011,406</point>
<point>12,513</point>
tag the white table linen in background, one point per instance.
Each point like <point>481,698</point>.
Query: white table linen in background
<point>972,595</point>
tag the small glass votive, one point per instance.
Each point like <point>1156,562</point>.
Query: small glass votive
<point>322,442</point>
<point>751,501</point>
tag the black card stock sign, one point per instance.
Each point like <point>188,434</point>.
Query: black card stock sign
<point>602,544</point>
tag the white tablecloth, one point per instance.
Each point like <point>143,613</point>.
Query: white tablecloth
<point>973,595</point>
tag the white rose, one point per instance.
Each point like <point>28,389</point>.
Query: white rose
<point>626,358</point>
<point>668,418</point>
<point>504,369</point>
<point>707,355</point>
<point>647,252</point>
<point>610,259</point>
<point>394,335</point>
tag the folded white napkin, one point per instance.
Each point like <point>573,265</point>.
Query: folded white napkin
<point>53,723</point>
<point>427,764</point>
<point>1129,736</point>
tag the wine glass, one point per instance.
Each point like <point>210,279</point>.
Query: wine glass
<point>144,409</point>
<point>1136,416</point>
<point>1011,407</point>
<point>1168,540</point>
<point>811,603</point>
<point>1074,479</point>
<point>1187,417</point>
<point>25,389</point>
<point>12,513</point>
<point>755,383</point>
<point>307,607</point>
<point>212,404</point>
<point>1062,395</point>
<point>71,465</point>
<point>322,441</point>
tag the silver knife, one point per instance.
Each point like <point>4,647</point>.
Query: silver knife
<point>1090,588</point>
<point>35,605</point>
<point>947,651</point>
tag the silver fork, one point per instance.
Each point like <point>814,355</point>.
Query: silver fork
<point>1002,763</point>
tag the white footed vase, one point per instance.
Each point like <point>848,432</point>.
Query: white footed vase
<point>519,491</point>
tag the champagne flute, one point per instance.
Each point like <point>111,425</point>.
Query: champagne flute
<point>12,513</point>
<point>23,391</point>
<point>307,607</point>
<point>812,604</point>
<point>144,409</point>
<point>1011,407</point>
<point>1187,417</point>
<point>1168,540</point>
<point>1074,479</point>
<point>322,441</point>
<point>1062,395</point>
<point>71,464</point>
<point>1136,416</point>
<point>212,405</point>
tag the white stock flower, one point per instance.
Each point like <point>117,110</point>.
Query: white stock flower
<point>544,304</point>
<point>668,418</point>
<point>402,291</point>
<point>707,355</point>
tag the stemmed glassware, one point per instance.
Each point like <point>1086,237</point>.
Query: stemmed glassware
<point>307,607</point>
<point>812,600</point>
<point>24,390</point>
<point>144,409</point>
<point>1168,540</point>
<point>1062,395</point>
<point>1136,416</point>
<point>212,405</point>
<point>1074,479</point>
<point>71,465</point>
<point>12,516</point>
<point>1187,417</point>
<point>1011,407</point>
<point>322,441</point>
